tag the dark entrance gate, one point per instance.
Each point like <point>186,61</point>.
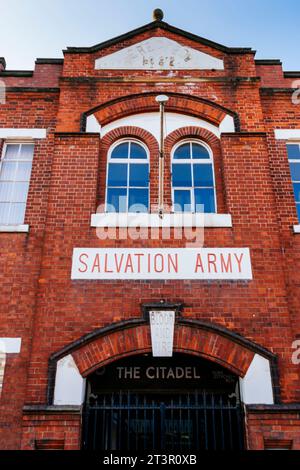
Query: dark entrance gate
<point>183,417</point>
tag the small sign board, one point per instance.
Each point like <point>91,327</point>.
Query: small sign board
<point>162,332</point>
<point>161,263</point>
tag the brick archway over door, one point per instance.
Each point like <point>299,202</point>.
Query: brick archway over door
<point>131,337</point>
<point>187,339</point>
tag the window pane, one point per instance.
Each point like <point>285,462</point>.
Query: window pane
<point>293,150</point>
<point>182,200</point>
<point>139,175</point>
<point>8,171</point>
<point>205,200</point>
<point>295,171</point>
<point>203,175</point>
<point>12,151</point>
<point>4,212</point>
<point>19,192</point>
<point>181,175</point>
<point>6,190</point>
<point>27,152</point>
<point>137,151</point>
<point>116,200</point>
<point>184,151</point>
<point>138,200</point>
<point>199,151</point>
<point>297,191</point>
<point>17,213</point>
<point>23,171</point>
<point>117,174</point>
<point>121,151</point>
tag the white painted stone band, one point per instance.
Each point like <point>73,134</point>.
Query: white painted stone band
<point>14,228</point>
<point>296,228</point>
<point>287,134</point>
<point>10,345</point>
<point>11,133</point>
<point>113,219</point>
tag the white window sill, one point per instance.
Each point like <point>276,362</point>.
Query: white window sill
<point>296,228</point>
<point>113,219</point>
<point>14,228</point>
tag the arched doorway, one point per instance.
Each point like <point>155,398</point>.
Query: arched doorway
<point>181,403</point>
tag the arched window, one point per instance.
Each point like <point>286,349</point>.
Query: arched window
<point>127,188</point>
<point>193,182</point>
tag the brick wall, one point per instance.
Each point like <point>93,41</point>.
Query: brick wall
<point>38,300</point>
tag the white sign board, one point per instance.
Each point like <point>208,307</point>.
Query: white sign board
<point>161,263</point>
<point>158,53</point>
<point>162,332</point>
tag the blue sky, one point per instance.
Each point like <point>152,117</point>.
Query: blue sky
<point>40,28</point>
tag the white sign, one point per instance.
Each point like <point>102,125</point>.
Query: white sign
<point>161,263</point>
<point>158,53</point>
<point>162,332</point>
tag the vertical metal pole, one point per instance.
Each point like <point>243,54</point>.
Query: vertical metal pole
<point>161,164</point>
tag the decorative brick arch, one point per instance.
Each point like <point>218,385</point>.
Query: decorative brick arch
<point>132,337</point>
<point>213,142</point>
<point>129,132</point>
<point>187,339</point>
<point>141,103</point>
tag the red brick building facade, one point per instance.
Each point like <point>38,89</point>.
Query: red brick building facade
<point>57,331</point>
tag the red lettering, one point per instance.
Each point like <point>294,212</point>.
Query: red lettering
<point>173,262</point>
<point>84,270</point>
<point>227,267</point>
<point>129,264</point>
<point>199,263</point>
<point>96,263</point>
<point>119,263</point>
<point>138,255</point>
<point>211,260</point>
<point>161,263</point>
<point>106,264</point>
<point>239,261</point>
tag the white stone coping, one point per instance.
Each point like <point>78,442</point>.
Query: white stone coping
<point>287,134</point>
<point>22,133</point>
<point>296,228</point>
<point>10,345</point>
<point>24,228</point>
<point>114,219</point>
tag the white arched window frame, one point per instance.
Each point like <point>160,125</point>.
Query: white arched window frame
<point>128,187</point>
<point>193,161</point>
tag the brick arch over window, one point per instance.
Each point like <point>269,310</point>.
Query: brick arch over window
<point>135,133</point>
<point>132,337</point>
<point>145,103</point>
<point>210,139</point>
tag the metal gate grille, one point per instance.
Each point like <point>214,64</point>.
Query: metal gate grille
<point>195,420</point>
